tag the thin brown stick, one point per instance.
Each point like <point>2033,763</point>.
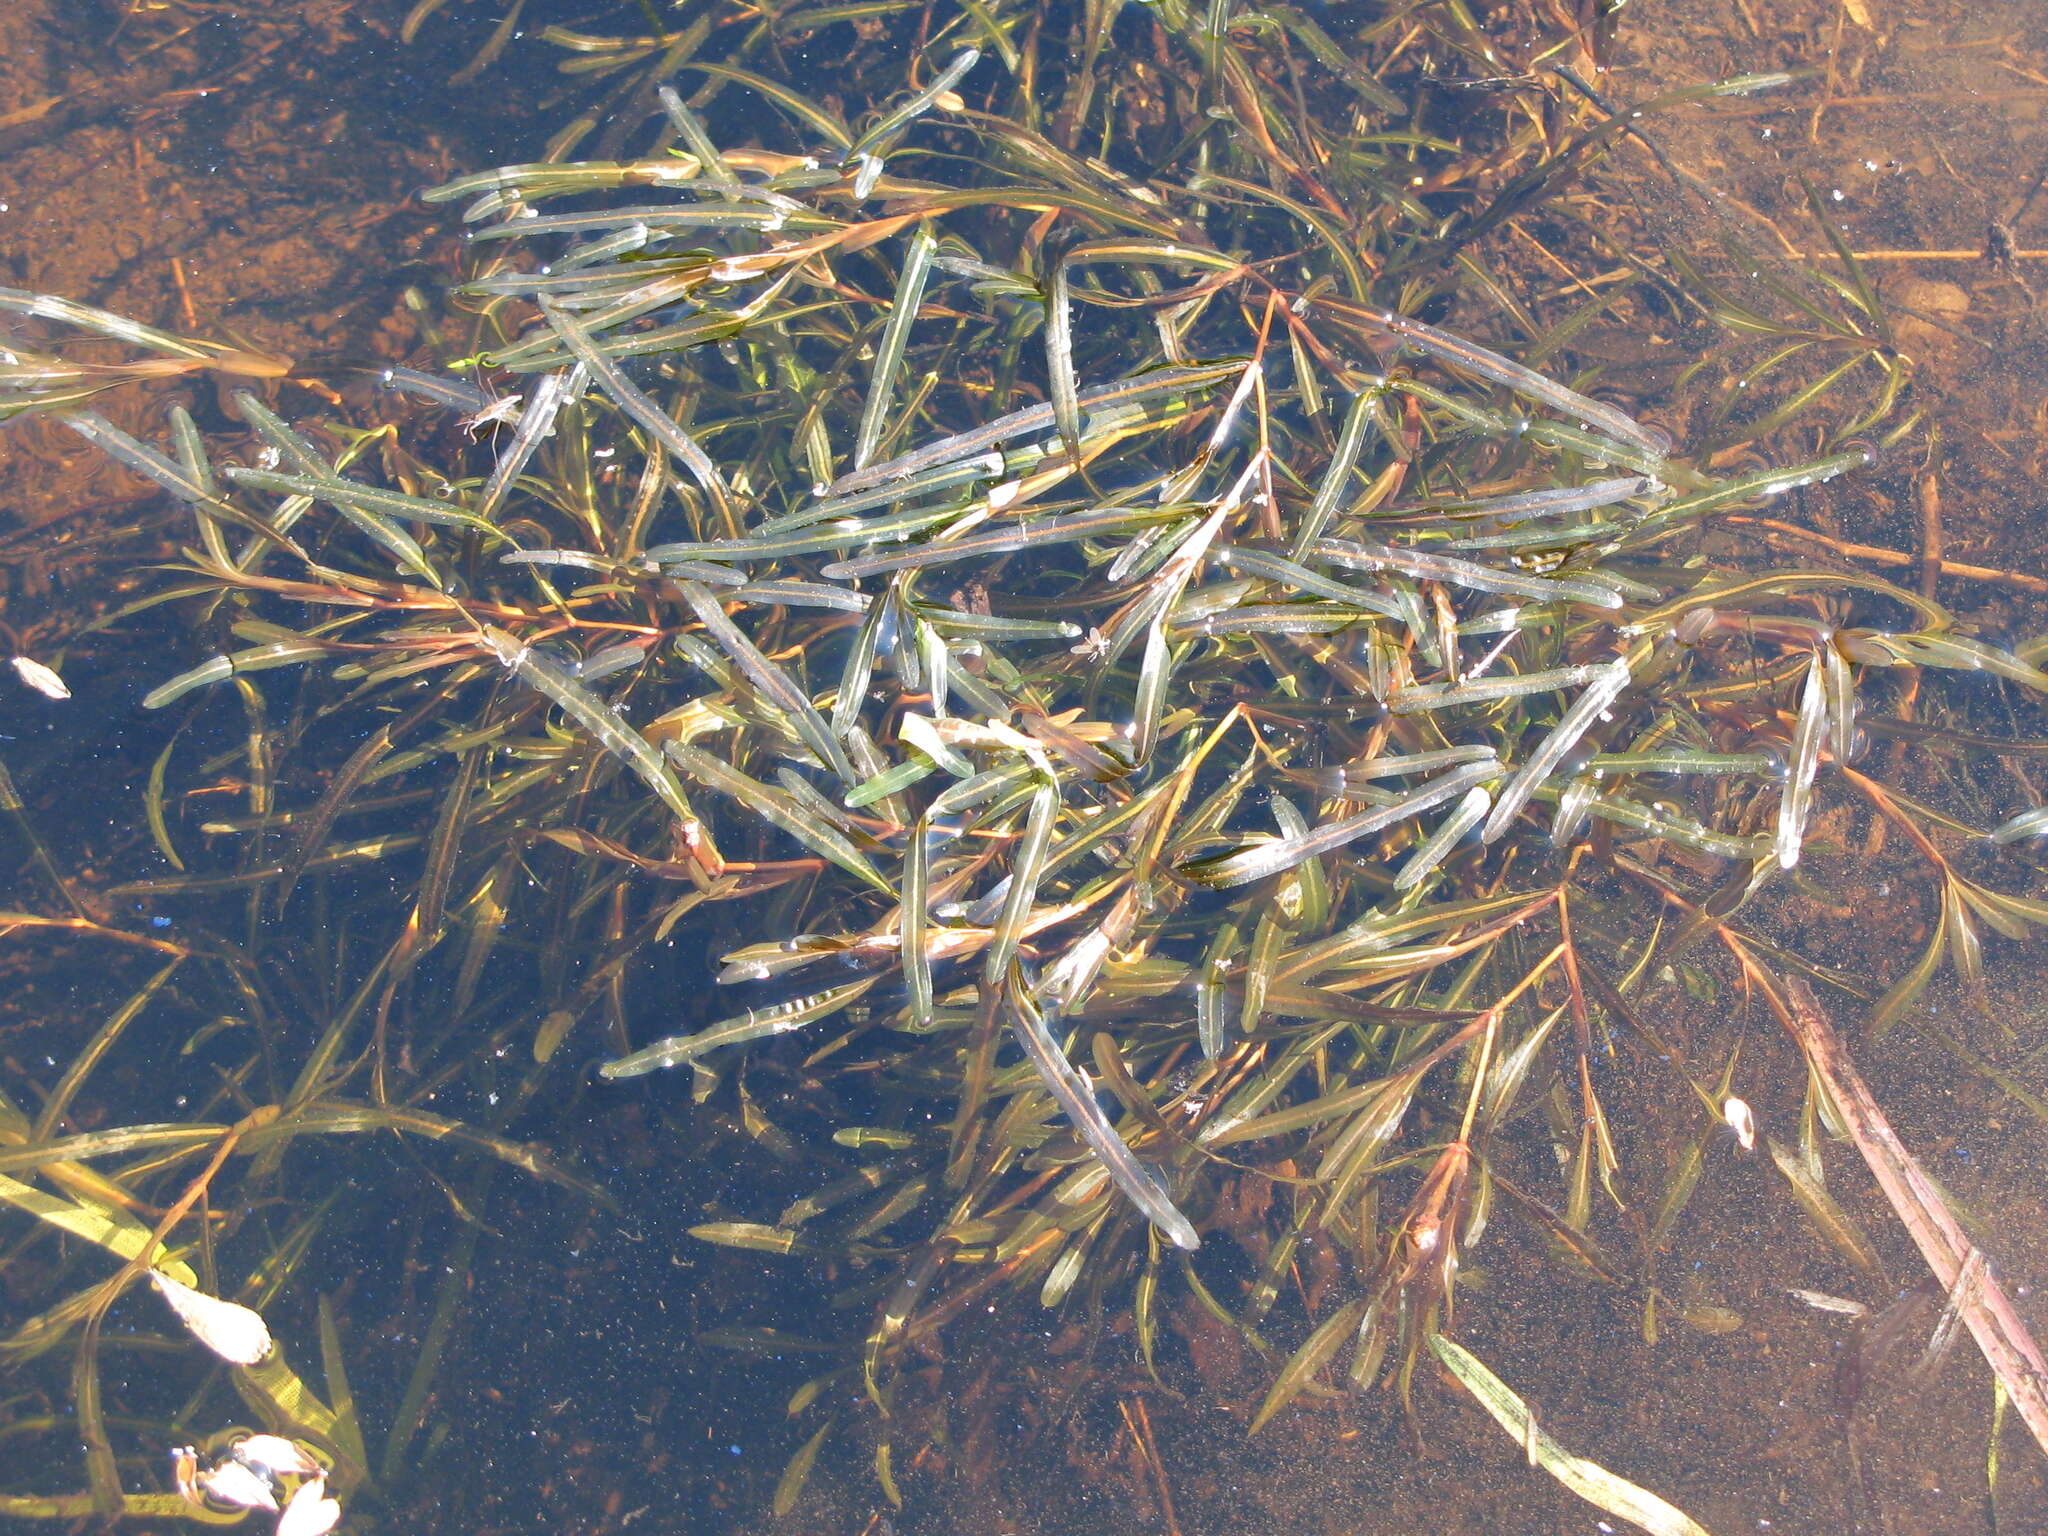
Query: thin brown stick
<point>1879,556</point>
<point>11,921</point>
<point>1833,77</point>
<point>1957,1263</point>
<point>1140,1423</point>
<point>1928,491</point>
<point>1919,255</point>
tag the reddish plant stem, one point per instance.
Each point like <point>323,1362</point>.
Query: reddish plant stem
<point>1957,1263</point>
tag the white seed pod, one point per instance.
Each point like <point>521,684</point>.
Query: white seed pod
<point>275,1456</point>
<point>309,1512</point>
<point>233,1484</point>
<point>1736,1115</point>
<point>41,678</point>
<point>230,1330</point>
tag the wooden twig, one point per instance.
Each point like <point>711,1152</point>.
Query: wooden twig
<point>1928,490</point>
<point>1957,1263</point>
<point>1140,1424</point>
<point>1893,557</point>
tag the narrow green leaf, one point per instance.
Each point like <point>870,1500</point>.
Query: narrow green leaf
<point>1589,1480</point>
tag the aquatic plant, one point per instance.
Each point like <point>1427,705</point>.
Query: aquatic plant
<point>1186,746</point>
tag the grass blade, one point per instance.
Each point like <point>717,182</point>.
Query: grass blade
<point>917,263</point>
<point>1075,1095</point>
<point>754,1024</point>
<point>1589,1480</point>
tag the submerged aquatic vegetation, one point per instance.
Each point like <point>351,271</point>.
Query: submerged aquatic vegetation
<point>1153,717</point>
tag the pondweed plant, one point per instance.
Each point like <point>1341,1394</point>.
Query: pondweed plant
<point>1038,580</point>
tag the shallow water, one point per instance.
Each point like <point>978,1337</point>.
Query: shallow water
<point>604,1370</point>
